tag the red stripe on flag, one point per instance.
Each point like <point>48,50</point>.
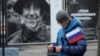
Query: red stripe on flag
<point>76,39</point>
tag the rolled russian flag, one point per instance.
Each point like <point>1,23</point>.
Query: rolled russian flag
<point>74,35</point>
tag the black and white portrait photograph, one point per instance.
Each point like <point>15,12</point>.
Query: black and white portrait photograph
<point>28,21</point>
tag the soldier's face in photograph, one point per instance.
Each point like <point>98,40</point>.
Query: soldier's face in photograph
<point>10,5</point>
<point>31,14</point>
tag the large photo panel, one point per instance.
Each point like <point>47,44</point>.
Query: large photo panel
<point>87,12</point>
<point>28,21</point>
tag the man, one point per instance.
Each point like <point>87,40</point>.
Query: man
<point>13,19</point>
<point>33,29</point>
<point>70,26</point>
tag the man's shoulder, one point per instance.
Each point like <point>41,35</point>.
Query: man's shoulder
<point>61,31</point>
<point>15,37</point>
<point>44,27</point>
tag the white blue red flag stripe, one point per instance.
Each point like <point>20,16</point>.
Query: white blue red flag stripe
<point>75,35</point>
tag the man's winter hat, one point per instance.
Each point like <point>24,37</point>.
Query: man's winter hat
<point>21,3</point>
<point>61,16</point>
